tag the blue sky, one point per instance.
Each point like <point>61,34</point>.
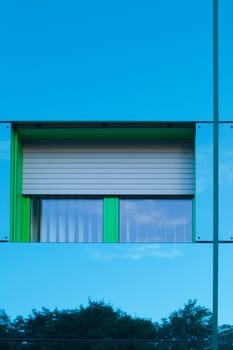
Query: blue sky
<point>145,280</point>
<point>112,60</point>
<point>103,60</point>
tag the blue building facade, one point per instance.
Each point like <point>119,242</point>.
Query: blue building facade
<point>119,79</point>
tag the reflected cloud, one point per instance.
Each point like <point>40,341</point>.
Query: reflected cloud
<point>226,172</point>
<point>158,218</point>
<point>204,165</point>
<point>134,252</point>
<point>4,150</point>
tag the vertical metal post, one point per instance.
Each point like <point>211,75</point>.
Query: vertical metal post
<point>215,175</point>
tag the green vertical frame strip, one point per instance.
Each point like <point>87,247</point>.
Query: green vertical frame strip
<point>111,220</point>
<point>20,205</point>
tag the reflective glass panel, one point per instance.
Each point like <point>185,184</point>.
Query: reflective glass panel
<point>107,60</point>
<point>71,220</point>
<point>107,291</point>
<point>204,182</point>
<point>155,220</point>
<point>225,295</point>
<point>225,181</point>
<point>225,60</point>
<point>5,176</point>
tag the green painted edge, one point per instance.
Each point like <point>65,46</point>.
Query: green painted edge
<point>26,219</point>
<point>20,207</point>
<point>111,220</point>
<point>105,133</point>
<point>18,226</point>
<point>12,187</point>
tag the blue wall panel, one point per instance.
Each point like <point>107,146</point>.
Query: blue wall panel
<point>106,61</point>
<point>5,135</point>
<point>225,181</point>
<point>204,182</point>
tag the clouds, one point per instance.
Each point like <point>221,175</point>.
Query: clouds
<point>204,166</point>
<point>135,252</point>
<point>157,220</point>
<point>4,150</point>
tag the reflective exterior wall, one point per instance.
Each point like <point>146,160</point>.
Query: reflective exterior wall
<point>121,63</point>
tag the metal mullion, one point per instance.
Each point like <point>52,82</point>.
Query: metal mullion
<point>215,175</point>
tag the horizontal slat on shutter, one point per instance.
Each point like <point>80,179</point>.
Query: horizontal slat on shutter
<point>99,168</point>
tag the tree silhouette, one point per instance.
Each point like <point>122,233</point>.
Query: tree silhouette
<point>101,327</point>
<point>193,322</point>
<point>97,321</point>
<point>226,333</point>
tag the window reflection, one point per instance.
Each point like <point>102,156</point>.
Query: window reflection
<point>71,220</point>
<point>158,220</point>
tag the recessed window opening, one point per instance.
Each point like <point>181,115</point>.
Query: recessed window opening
<point>109,190</point>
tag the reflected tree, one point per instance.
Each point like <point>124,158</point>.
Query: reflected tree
<point>192,322</point>
<point>97,321</point>
<point>105,328</point>
<point>6,330</point>
<point>226,334</point>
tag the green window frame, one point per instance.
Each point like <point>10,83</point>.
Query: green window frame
<point>21,204</point>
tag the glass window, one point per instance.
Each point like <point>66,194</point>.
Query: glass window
<point>156,220</point>
<point>128,220</point>
<point>68,220</point>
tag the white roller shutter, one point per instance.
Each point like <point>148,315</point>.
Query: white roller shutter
<point>108,168</point>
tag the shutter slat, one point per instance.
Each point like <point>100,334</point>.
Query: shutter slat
<point>104,168</point>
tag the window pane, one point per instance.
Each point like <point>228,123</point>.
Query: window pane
<point>71,220</point>
<point>156,220</point>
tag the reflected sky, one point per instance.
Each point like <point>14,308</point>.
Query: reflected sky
<point>5,150</point>
<point>225,60</point>
<point>225,181</point>
<point>145,280</point>
<point>204,182</point>
<point>106,60</point>
<point>225,282</point>
<point>157,220</point>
